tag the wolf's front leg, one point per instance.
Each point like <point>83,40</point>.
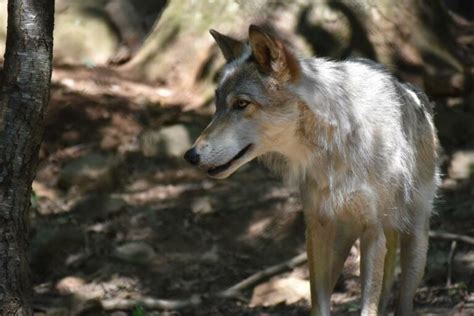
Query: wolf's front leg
<point>373,250</point>
<point>319,242</point>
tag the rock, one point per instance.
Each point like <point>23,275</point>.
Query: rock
<point>83,36</point>
<point>69,284</point>
<point>168,142</point>
<point>463,265</point>
<point>202,206</point>
<point>135,252</point>
<point>462,165</point>
<point>98,206</point>
<point>51,247</point>
<point>112,205</point>
<point>94,171</point>
<point>212,255</point>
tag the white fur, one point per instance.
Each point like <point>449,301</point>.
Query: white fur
<point>362,148</point>
<point>414,96</point>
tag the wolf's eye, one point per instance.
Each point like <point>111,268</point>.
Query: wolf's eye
<point>240,104</point>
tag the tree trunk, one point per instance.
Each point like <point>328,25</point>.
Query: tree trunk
<point>180,51</point>
<point>23,99</point>
<point>413,38</point>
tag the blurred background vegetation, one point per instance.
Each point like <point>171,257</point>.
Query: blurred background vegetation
<point>121,226</point>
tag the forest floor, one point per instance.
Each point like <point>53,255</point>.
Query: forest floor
<point>119,220</point>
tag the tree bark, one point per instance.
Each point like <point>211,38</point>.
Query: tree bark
<point>23,99</point>
<point>180,42</point>
<point>414,39</point>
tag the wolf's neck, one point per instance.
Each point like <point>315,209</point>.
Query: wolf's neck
<point>323,88</point>
<point>294,145</point>
<point>325,122</point>
<point>304,150</point>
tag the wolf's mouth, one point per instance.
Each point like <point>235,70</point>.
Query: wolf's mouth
<point>216,170</point>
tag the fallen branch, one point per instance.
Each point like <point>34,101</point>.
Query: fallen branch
<point>451,236</point>
<point>450,262</point>
<point>195,300</point>
<point>150,303</point>
<point>264,274</point>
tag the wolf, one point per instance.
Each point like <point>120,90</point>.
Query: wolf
<point>359,144</point>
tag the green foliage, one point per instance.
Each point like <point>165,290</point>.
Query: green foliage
<point>34,200</point>
<point>353,307</point>
<point>457,290</point>
<point>139,311</point>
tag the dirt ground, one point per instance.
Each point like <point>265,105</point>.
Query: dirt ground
<point>137,222</point>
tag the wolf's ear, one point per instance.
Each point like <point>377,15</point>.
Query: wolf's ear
<point>231,48</point>
<point>272,56</point>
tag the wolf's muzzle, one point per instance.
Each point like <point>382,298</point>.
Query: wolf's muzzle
<point>192,156</point>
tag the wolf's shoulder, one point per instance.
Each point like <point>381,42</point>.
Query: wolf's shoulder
<point>405,91</point>
<point>367,64</point>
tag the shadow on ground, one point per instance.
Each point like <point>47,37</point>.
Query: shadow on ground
<point>118,215</point>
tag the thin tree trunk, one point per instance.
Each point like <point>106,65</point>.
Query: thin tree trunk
<point>23,99</point>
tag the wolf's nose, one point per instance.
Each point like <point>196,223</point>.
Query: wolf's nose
<point>192,156</point>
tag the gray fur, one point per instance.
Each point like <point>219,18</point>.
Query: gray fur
<point>379,127</point>
<point>360,145</point>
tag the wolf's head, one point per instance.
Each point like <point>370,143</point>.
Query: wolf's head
<point>256,112</point>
